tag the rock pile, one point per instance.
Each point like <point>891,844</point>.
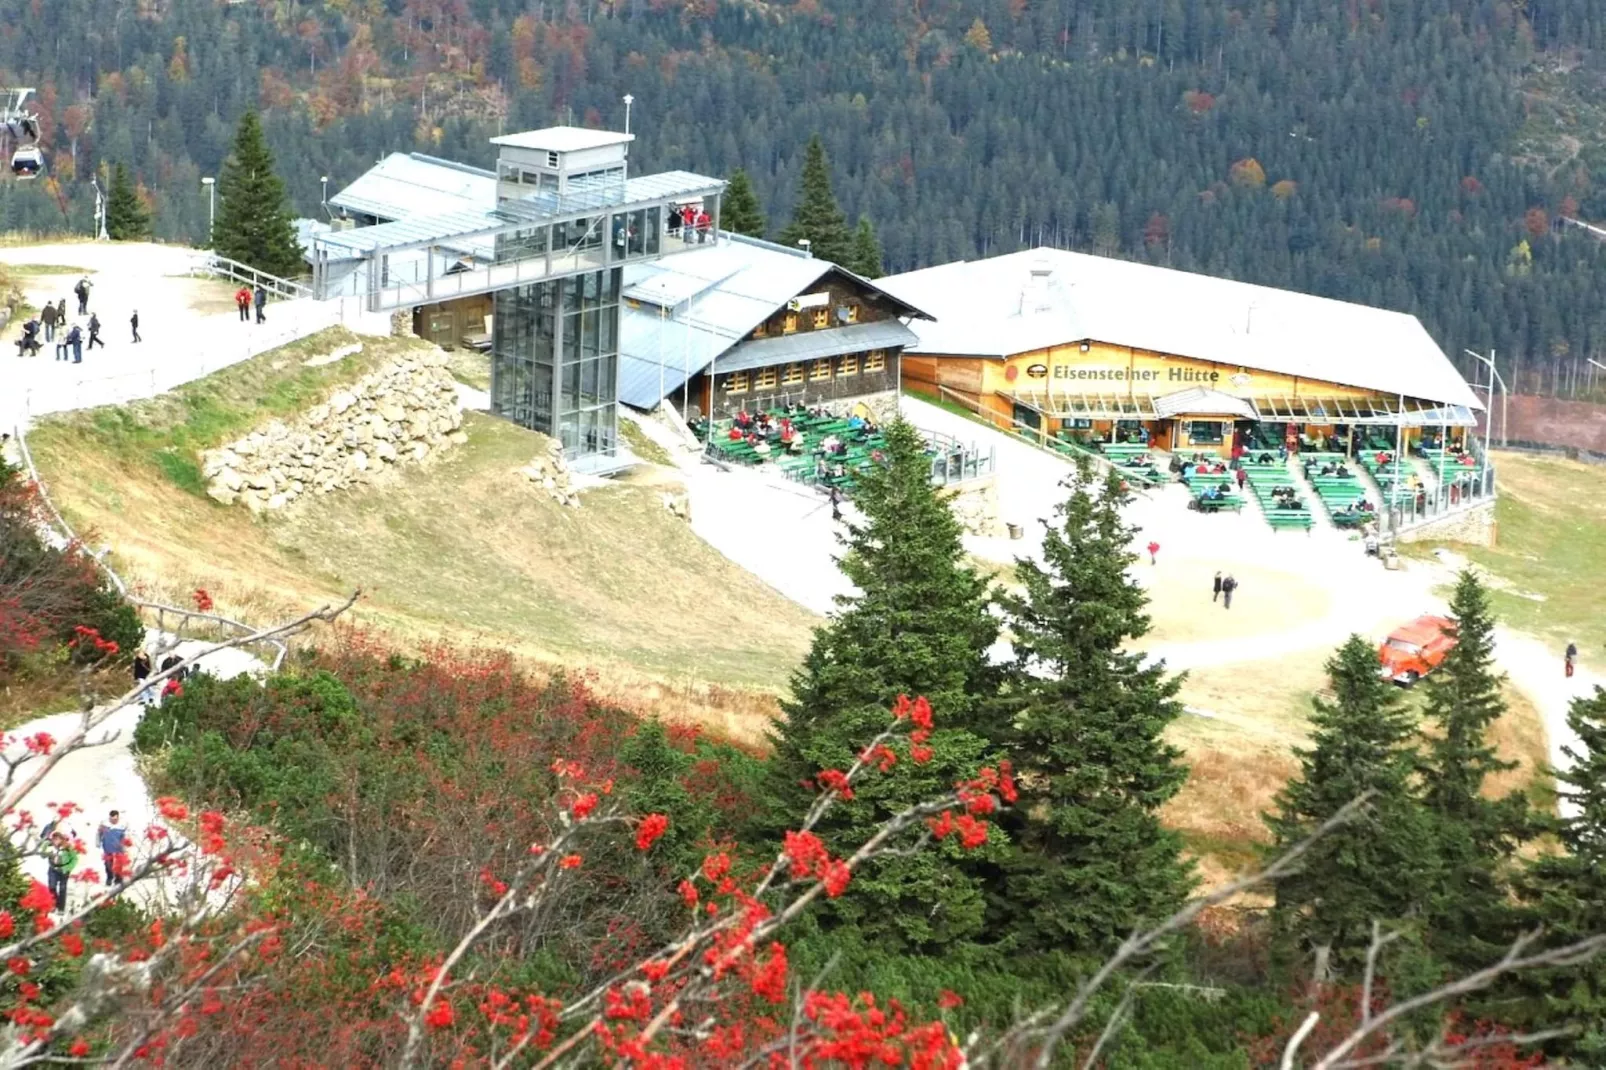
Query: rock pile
<point>550,472</point>
<point>401,414</point>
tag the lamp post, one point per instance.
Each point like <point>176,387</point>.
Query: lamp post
<point>324,180</point>
<point>1505,395</point>
<point>629,100</point>
<point>211,206</point>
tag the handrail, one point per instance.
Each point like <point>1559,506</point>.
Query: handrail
<point>280,648</point>
<point>1037,437</point>
<point>215,264</point>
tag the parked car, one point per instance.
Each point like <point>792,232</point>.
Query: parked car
<point>1416,649</point>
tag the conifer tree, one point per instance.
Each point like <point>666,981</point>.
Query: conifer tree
<point>817,216</point>
<point>918,624</point>
<point>866,259</point>
<point>1565,889</point>
<point>126,217</point>
<point>253,219</point>
<point>1090,861</point>
<point>1475,837</point>
<point>739,211</point>
<point>1370,869</point>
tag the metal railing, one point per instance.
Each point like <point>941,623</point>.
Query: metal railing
<point>1453,492</point>
<point>952,461</point>
<point>214,264</point>
<point>1041,439</point>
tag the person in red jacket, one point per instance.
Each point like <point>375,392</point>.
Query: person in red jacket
<point>242,301</point>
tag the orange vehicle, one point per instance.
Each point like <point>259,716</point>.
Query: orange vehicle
<point>1416,649</point>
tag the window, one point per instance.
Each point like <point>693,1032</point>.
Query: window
<point>821,372</point>
<point>761,330</point>
<point>850,313</point>
<point>736,384</point>
<point>764,379</point>
<point>790,323</point>
<point>822,318</point>
<point>847,366</point>
<point>875,360</point>
<point>552,159</point>
<point>1204,432</point>
<point>793,374</point>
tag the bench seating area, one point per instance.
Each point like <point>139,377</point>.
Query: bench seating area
<point>1263,481</point>
<point>1122,455</point>
<point>803,465</point>
<point>1207,489</point>
<point>1341,495</point>
<point>1381,463</point>
<point>1453,468</point>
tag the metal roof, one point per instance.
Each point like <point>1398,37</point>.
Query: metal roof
<point>411,183</point>
<point>563,139</point>
<point>815,345</point>
<point>1202,401</point>
<point>443,227</point>
<point>1040,298</point>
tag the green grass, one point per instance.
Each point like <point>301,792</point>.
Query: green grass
<point>641,445</point>
<point>1549,561</point>
<point>46,269</point>
<point>167,434</point>
<point>470,367</point>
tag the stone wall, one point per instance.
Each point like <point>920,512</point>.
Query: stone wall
<point>403,413</point>
<point>975,506</point>
<point>1475,526</point>
<point>550,472</point>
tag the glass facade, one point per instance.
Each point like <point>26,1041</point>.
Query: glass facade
<point>555,359</point>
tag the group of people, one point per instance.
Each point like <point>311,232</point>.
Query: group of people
<point>245,297</point>
<point>1330,468</point>
<point>63,849</point>
<point>1222,588</point>
<point>54,326</point>
<point>142,672</point>
<point>690,221</point>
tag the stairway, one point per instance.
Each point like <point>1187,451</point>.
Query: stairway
<point>1320,521</point>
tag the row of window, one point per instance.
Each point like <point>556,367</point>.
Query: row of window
<point>818,371</point>
<point>818,317</point>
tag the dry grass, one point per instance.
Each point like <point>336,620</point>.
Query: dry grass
<point>470,366</point>
<point>1183,613</point>
<point>463,550</point>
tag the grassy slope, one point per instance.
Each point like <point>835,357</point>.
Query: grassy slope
<point>1550,560</point>
<point>464,549</point>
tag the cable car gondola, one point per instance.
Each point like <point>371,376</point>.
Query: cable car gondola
<point>27,162</point>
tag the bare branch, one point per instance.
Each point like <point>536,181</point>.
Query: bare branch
<point>1297,1039</point>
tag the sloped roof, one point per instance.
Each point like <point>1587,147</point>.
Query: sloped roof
<point>563,139</point>
<point>1202,401</point>
<point>411,183</point>
<point>814,345</point>
<point>1038,298</point>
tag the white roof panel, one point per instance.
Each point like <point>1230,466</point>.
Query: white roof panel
<point>563,139</point>
<point>411,183</point>
<point>1038,298</point>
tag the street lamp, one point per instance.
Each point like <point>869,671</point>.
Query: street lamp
<point>629,100</point>
<point>325,201</point>
<point>1505,394</point>
<point>211,206</point>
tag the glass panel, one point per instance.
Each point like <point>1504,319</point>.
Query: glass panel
<point>608,340</point>
<point>653,231</point>
<point>571,387</point>
<point>589,370</point>
<point>588,338</point>
<point>638,226</point>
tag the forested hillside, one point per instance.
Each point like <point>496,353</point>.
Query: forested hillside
<point>1377,150</point>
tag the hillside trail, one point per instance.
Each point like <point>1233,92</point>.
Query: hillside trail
<point>104,776</point>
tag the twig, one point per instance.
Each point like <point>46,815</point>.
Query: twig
<point>1297,1039</point>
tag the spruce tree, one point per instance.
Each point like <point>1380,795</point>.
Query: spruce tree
<point>918,624</point>
<point>126,217</point>
<point>739,211</point>
<point>1371,868</point>
<point>253,219</point>
<point>817,216</point>
<point>1084,726</point>
<point>1565,890</point>
<point>866,259</point>
<point>1467,906</point>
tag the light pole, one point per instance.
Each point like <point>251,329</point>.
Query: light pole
<point>325,201</point>
<point>629,100</point>
<point>1505,395</point>
<point>211,207</point>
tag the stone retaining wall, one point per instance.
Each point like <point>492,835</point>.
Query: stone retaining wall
<point>403,413</point>
<point>1475,526</point>
<point>975,505</point>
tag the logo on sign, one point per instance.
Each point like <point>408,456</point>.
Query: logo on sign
<point>1241,379</point>
<point>1038,371</point>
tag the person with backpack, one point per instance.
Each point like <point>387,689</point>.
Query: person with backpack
<point>94,332</point>
<point>133,322</point>
<point>113,840</point>
<point>60,860</point>
<point>28,344</point>
<point>75,342</point>
<point>82,292</point>
<point>1228,586</point>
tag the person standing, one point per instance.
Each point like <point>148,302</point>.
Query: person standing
<point>1243,477</point>
<point>75,339</point>
<point>82,291</point>
<point>133,323</point>
<point>113,839</point>
<point>836,504</point>
<point>1154,551</point>
<point>242,301</point>
<point>94,332</point>
<point>1215,589</point>
<point>261,302</point>
<point>1571,658</point>
<point>61,313</point>
<point>60,861</point>
<point>1228,586</point>
<point>48,318</point>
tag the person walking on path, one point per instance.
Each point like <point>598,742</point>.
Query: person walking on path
<point>60,861</point>
<point>1154,550</point>
<point>242,301</point>
<point>1228,586</point>
<point>1571,658</point>
<point>133,323</point>
<point>61,312</point>
<point>94,332</point>
<point>82,292</point>
<point>142,672</point>
<point>113,838</point>
<point>1243,477</point>
<point>1215,588</point>
<point>48,318</point>
<point>261,301</point>
<point>75,339</point>
<point>836,504</point>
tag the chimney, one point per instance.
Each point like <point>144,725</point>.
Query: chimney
<point>1035,296</point>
